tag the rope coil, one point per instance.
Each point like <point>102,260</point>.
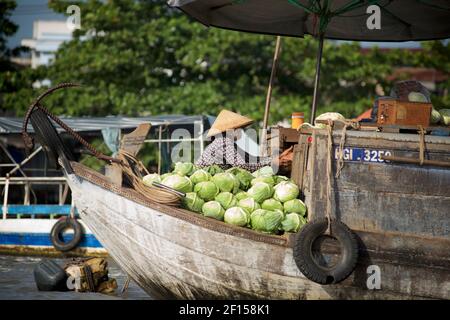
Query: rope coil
<point>132,169</point>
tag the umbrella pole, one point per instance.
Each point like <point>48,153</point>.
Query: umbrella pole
<point>272,76</point>
<point>317,79</point>
<point>263,147</point>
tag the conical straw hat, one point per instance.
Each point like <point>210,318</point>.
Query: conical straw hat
<point>227,120</point>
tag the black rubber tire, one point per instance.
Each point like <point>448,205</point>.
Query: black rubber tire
<point>49,138</point>
<point>303,255</point>
<point>60,226</point>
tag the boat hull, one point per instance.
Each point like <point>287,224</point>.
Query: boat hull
<point>175,254</point>
<point>32,237</point>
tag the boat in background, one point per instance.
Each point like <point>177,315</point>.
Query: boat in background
<point>32,235</point>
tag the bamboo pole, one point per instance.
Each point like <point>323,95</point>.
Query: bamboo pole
<point>276,54</point>
<point>317,79</point>
<point>272,77</point>
<point>417,161</point>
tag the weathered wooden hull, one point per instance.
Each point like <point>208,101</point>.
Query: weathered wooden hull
<point>173,253</point>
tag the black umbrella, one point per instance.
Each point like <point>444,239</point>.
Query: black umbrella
<point>361,20</point>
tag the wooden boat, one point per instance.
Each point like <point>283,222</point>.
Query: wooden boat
<point>33,237</point>
<point>400,213</point>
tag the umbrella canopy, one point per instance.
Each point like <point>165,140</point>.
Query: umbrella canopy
<point>401,20</point>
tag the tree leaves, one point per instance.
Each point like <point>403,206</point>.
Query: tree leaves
<point>141,57</point>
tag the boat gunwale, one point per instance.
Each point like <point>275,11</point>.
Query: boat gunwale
<point>188,216</point>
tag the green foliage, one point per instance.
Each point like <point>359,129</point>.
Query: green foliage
<point>7,27</point>
<point>15,83</point>
<point>141,58</point>
<point>93,162</point>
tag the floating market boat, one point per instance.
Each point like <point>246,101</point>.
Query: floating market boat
<point>392,189</point>
<point>33,236</point>
<point>399,212</point>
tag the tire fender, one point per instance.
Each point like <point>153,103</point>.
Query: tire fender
<point>61,225</point>
<point>303,256</point>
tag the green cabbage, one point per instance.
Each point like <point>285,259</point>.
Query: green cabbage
<point>260,191</point>
<point>193,202</point>
<point>292,222</point>
<point>206,190</point>
<point>285,191</point>
<point>241,195</point>
<point>280,211</point>
<point>445,113</point>
<point>226,182</point>
<point>266,221</point>
<point>264,171</point>
<point>249,204</point>
<point>417,97</point>
<point>178,182</point>
<point>295,205</point>
<point>272,205</point>
<point>243,176</point>
<point>213,169</point>
<point>226,200</point>
<point>236,216</point>
<point>435,116</point>
<point>184,168</point>
<point>150,178</point>
<point>165,175</point>
<point>213,209</point>
<point>200,175</point>
<point>270,180</point>
<point>279,179</point>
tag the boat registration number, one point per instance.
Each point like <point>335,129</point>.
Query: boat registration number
<point>363,155</point>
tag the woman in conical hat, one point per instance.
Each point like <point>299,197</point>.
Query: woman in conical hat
<point>224,151</point>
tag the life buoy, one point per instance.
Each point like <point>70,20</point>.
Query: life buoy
<point>307,262</point>
<point>59,227</point>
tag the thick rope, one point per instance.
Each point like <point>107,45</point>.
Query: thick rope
<point>329,171</point>
<point>340,150</point>
<point>421,145</point>
<point>133,169</point>
<point>29,143</point>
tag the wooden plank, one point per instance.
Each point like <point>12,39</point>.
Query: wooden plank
<point>383,197</point>
<point>299,160</point>
<point>133,141</point>
<point>289,135</point>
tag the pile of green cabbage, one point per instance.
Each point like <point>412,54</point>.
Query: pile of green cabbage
<point>260,200</point>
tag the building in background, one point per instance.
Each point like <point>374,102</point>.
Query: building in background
<point>48,35</point>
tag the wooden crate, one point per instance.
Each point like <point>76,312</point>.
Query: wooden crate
<point>285,136</point>
<point>396,112</point>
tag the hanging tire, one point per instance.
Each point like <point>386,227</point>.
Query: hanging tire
<point>307,262</point>
<point>58,229</point>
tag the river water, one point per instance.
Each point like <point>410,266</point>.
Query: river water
<point>17,282</point>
